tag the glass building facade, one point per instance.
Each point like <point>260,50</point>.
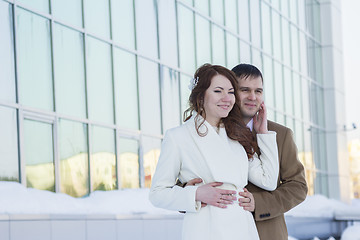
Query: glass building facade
<point>89,87</point>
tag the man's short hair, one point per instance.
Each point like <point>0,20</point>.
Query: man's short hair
<point>244,70</point>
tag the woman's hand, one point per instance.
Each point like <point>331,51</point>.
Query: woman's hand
<point>209,194</point>
<point>260,120</point>
<point>247,201</point>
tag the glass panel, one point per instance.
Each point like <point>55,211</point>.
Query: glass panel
<point>306,99</point>
<point>186,39</point>
<point>244,23</point>
<point>218,45</point>
<point>303,53</point>
<point>69,71</point>
<point>126,90</point>
<point>34,61</point>
<point>150,118</point>
<point>167,32</point>
<point>151,148</point>
<point>279,89</point>
<point>97,19</point>
<point>256,58</point>
<point>203,48</point>
<point>318,63</point>
<point>9,161</point>
<point>290,123</point>
<point>266,28</point>
<point>285,8</point>
<point>255,23</point>
<point>232,51</point>
<point>288,92</point>
<point>146,28</point>
<point>245,54</point>
<point>297,89</point>
<point>38,5</point>
<point>39,155</point>
<point>217,11</point>
<point>295,48</point>
<point>271,115</point>
<point>184,93</point>
<point>280,118</point>
<point>103,159</point>
<point>276,33</point>
<point>231,15</point>
<point>123,26</point>
<point>99,79</point>
<point>286,42</point>
<point>309,164</point>
<point>311,59</point>
<point>276,4</point>
<point>74,163</point>
<point>268,82</point>
<point>293,6</point>
<point>202,6</point>
<point>7,73</point>
<point>129,163</point>
<point>69,11</point>
<point>170,99</point>
<point>302,14</point>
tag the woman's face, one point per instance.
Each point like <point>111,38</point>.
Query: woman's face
<point>219,99</point>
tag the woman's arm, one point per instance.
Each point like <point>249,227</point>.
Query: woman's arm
<point>164,193</point>
<point>264,171</point>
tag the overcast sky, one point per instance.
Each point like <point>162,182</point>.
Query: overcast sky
<point>351,49</point>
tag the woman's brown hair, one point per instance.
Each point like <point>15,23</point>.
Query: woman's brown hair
<point>234,124</point>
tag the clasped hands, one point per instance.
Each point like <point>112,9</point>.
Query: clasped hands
<point>210,194</point>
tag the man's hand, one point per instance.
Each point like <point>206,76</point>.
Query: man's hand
<point>209,194</point>
<point>247,201</point>
<point>260,120</point>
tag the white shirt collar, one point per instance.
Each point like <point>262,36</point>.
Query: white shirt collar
<point>250,124</point>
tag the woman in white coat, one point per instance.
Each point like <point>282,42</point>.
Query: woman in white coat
<point>214,144</point>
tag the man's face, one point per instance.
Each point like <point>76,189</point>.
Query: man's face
<point>251,96</point>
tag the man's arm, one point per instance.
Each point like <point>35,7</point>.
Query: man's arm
<point>292,189</point>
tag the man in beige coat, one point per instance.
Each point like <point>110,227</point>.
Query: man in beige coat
<point>292,189</point>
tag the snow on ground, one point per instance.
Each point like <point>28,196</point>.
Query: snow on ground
<point>16,199</point>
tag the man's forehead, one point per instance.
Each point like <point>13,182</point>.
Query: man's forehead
<point>251,81</point>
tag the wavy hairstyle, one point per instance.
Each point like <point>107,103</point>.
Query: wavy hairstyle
<point>234,124</point>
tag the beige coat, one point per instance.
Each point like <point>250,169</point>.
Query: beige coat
<point>292,189</point>
<point>186,155</point>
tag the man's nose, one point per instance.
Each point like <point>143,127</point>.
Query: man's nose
<point>252,96</point>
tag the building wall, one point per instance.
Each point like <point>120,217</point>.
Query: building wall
<point>88,88</point>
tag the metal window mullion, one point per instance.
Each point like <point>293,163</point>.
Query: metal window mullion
<point>22,165</point>
<point>141,163</point>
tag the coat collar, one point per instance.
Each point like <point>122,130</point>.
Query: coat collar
<point>218,151</point>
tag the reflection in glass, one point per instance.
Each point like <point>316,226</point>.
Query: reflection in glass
<point>34,60</point>
<point>218,45</point>
<point>279,90</point>
<point>186,39</point>
<point>184,93</point>
<point>9,165</point>
<point>69,11</point>
<point>126,92</point>
<point>103,159</point>
<point>266,28</point>
<point>203,45</point>
<point>255,23</point>
<point>38,5</point>
<point>39,155</point>
<point>7,73</point>
<point>268,82</point>
<point>244,24</point>
<point>288,91</point>
<point>167,32</point>
<point>170,98</point>
<point>146,28</point>
<point>276,33</point>
<point>231,15</point>
<point>97,17</point>
<point>232,51</point>
<point>99,79</point>
<point>149,92</point>
<point>74,167</point>
<point>129,163</point>
<point>69,71</point>
<point>152,148</point>
<point>123,30</point>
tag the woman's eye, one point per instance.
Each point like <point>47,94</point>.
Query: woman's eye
<point>217,91</point>
<point>231,92</point>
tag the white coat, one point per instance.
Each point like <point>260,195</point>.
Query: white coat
<point>213,158</point>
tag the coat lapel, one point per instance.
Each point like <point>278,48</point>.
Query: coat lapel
<point>221,159</point>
